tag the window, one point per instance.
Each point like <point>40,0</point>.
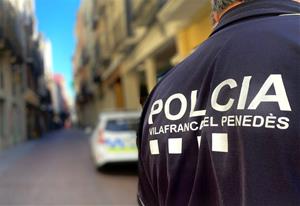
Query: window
<point>15,127</point>
<point>1,77</point>
<point>119,125</point>
<point>13,83</point>
<point>2,120</point>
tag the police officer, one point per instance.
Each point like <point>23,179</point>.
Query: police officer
<point>222,127</point>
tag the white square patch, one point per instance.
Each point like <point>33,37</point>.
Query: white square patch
<point>154,149</point>
<point>175,145</point>
<point>220,142</point>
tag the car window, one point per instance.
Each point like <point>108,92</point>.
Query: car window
<point>122,125</point>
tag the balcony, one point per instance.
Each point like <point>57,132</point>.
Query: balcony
<point>175,10</point>
<point>35,60</point>
<point>85,94</point>
<point>130,26</point>
<point>31,97</point>
<point>96,75</point>
<point>101,58</point>
<point>144,11</point>
<point>12,33</point>
<point>46,101</point>
<point>85,59</point>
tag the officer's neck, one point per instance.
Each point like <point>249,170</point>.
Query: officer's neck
<point>218,15</point>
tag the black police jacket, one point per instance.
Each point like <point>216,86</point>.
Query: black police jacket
<point>223,126</point>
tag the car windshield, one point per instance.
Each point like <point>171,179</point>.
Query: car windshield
<point>122,125</point>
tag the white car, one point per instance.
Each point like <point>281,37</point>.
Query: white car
<point>114,139</point>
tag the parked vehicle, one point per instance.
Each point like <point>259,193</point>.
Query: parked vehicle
<point>114,138</point>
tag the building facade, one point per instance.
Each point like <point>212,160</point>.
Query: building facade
<point>61,101</point>
<point>125,47</point>
<point>21,67</point>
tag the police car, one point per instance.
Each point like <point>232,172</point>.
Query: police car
<point>114,139</point>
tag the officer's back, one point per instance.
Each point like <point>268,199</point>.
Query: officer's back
<point>222,128</point>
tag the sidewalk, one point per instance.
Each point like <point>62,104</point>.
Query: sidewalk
<point>10,156</point>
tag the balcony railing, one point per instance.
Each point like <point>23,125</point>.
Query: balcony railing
<point>12,30</point>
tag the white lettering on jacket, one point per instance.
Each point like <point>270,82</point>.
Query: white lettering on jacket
<point>274,80</point>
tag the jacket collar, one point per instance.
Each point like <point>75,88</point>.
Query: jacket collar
<point>257,8</point>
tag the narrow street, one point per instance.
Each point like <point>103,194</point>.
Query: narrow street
<point>58,170</point>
